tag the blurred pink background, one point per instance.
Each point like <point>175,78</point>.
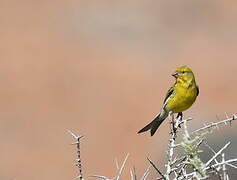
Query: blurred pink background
<point>102,69</point>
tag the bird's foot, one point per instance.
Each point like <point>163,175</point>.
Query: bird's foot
<point>180,117</point>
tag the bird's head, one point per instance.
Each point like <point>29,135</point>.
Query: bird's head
<point>184,74</point>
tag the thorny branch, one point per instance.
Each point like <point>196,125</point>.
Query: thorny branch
<point>226,121</point>
<point>180,166</point>
<point>78,160</point>
<point>174,125</point>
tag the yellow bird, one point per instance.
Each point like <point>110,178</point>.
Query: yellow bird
<point>178,98</point>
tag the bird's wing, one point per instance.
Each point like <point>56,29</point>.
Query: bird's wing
<point>197,90</point>
<point>169,93</point>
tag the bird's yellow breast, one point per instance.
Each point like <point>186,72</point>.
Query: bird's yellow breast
<point>182,98</point>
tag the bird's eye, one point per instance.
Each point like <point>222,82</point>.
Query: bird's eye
<point>183,72</point>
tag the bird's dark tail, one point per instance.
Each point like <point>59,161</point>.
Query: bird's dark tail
<point>153,125</point>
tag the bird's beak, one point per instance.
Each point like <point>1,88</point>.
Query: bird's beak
<point>175,74</point>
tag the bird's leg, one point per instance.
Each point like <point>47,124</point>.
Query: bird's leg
<point>171,115</point>
<point>173,123</point>
<point>180,114</point>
